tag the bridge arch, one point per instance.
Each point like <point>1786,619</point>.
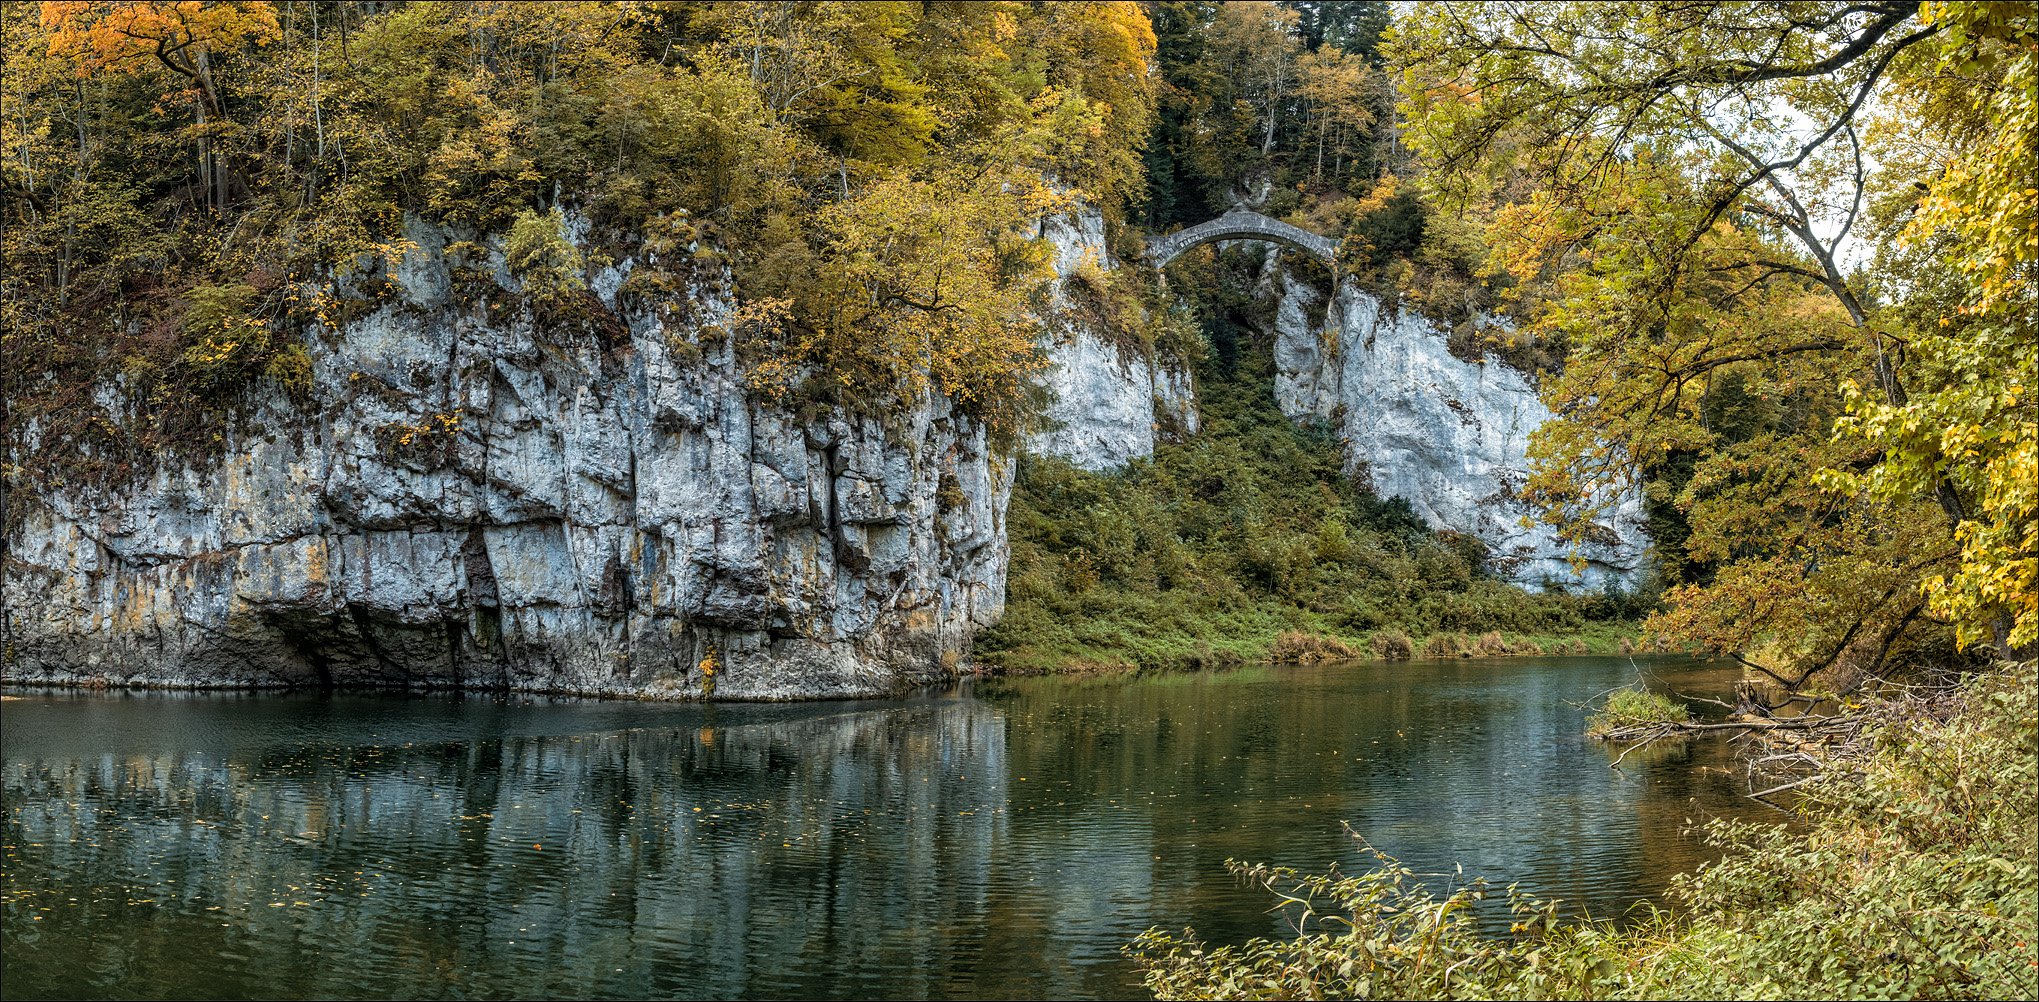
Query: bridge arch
<point>1239,224</point>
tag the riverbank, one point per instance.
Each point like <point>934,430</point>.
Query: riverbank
<point>1165,641</point>
<point>1915,875</point>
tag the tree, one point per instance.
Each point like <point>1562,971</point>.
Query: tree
<point>187,38</point>
<point>1337,88</point>
<point>1687,184</point>
<point>1353,27</point>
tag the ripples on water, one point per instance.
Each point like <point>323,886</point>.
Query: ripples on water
<point>1002,842</point>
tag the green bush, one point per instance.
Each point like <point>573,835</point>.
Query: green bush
<point>542,257</point>
<point>1635,706</point>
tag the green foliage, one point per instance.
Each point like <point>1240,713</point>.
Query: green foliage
<point>1916,876</point>
<point>1632,706</point>
<point>1393,229</point>
<point>1839,457</point>
<point>223,342</point>
<point>1270,96</point>
<point>540,255</point>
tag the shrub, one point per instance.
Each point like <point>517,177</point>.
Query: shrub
<point>291,369</point>
<point>1392,645</point>
<point>540,255</point>
<point>1295,647</point>
<point>225,343</point>
<point>1635,706</point>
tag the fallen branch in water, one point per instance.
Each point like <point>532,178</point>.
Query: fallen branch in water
<point>1664,728</point>
<point>1790,741</point>
<point>1790,752</point>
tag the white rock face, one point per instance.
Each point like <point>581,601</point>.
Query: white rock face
<point>1106,406</point>
<point>1449,436</point>
<point>472,500</point>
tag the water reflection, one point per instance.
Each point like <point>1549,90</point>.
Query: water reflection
<point>1001,843</point>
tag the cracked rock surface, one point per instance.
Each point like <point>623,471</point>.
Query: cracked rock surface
<point>473,501</point>
<point>1450,436</point>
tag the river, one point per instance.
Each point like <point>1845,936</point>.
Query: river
<point>996,840</point>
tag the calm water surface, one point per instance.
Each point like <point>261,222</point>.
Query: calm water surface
<point>1001,841</point>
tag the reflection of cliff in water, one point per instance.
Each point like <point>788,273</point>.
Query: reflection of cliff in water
<point>1002,842</point>
<point>660,859</point>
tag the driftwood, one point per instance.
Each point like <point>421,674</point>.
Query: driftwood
<point>1790,752</point>
<point>1795,765</point>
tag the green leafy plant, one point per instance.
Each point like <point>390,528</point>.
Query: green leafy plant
<point>1635,706</point>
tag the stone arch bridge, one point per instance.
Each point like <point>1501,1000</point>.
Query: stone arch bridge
<point>1239,224</point>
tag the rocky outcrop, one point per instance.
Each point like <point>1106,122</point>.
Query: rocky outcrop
<point>479,499</point>
<point>1449,436</point>
<point>1106,405</point>
<point>476,494</point>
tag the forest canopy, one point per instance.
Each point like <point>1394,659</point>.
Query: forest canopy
<point>191,185</point>
<point>1788,253</point>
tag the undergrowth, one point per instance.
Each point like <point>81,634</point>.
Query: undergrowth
<point>1634,705</point>
<point>1247,542</point>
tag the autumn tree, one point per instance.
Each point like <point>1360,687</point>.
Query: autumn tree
<point>863,161</point>
<point>1696,189</point>
<point>1337,87</point>
<point>187,38</point>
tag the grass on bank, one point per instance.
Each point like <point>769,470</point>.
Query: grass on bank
<point>1634,706</point>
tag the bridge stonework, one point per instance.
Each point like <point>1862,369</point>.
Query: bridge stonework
<point>1239,224</point>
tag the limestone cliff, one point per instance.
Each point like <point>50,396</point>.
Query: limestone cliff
<point>1105,405</point>
<point>1448,435</point>
<point>470,499</point>
<point>471,496</point>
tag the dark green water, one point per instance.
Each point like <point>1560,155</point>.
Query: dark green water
<point>1001,842</point>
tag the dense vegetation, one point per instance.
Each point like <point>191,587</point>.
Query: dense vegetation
<point>1776,262</point>
<point>1246,542</point>
<point>1789,252</point>
<point>192,189</point>
<point>1837,451</point>
<point>1787,258</point>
